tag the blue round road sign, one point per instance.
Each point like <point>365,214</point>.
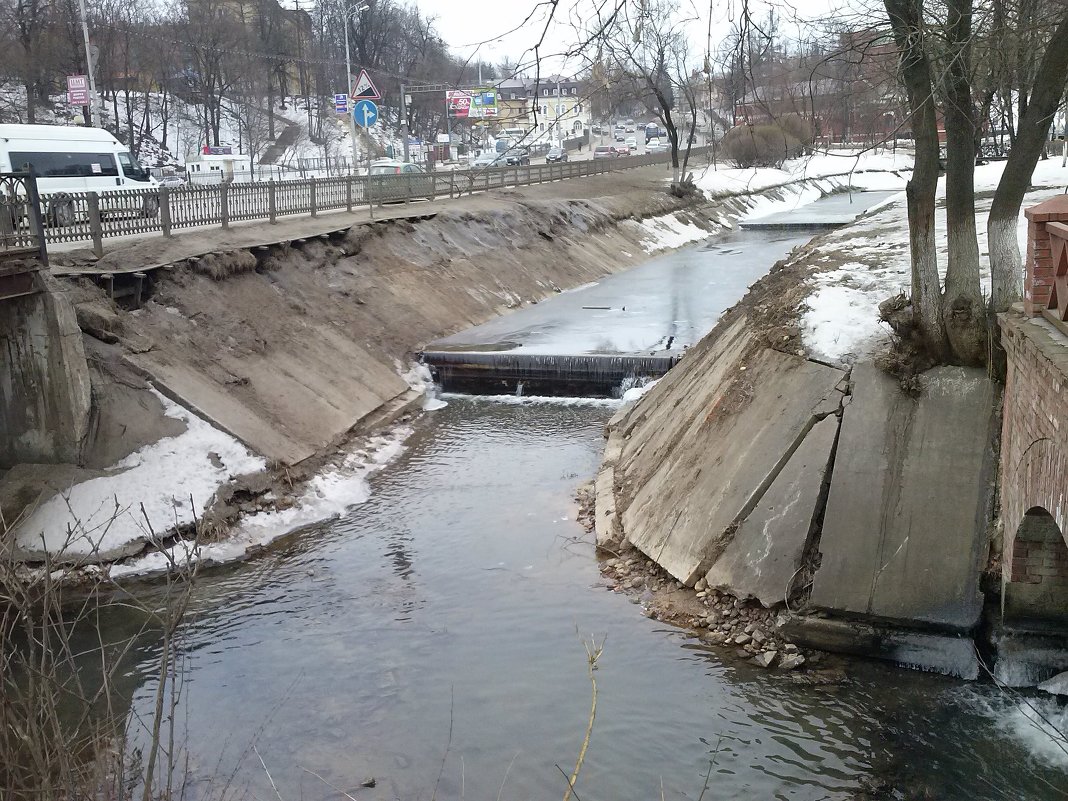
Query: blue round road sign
<point>365,112</point>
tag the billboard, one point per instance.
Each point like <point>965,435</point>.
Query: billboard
<point>472,104</point>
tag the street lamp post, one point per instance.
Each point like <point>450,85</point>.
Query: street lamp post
<point>349,13</point>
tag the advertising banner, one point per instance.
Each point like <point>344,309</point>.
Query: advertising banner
<point>78,90</point>
<point>472,104</point>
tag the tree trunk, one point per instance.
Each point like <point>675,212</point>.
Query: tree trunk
<point>906,21</point>
<point>962,304</point>
<point>1030,140</point>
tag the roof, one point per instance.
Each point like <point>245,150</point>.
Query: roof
<point>71,132</point>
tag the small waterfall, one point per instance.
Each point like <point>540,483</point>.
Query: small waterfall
<point>519,389</point>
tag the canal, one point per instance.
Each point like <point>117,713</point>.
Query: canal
<point>432,637</point>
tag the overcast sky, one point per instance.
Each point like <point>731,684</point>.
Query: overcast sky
<point>464,24</point>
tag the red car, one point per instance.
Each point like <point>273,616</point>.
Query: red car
<point>621,150</point>
<point>604,152</point>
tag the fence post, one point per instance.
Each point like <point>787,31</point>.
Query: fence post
<point>165,210</point>
<point>348,193</point>
<point>369,188</point>
<point>311,194</point>
<point>95,229</point>
<point>272,202</point>
<point>224,204</point>
<point>407,188</point>
<point>36,216</point>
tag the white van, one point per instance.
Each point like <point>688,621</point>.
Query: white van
<point>69,159</point>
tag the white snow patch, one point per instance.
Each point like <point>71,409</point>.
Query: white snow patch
<point>667,232</point>
<point>174,479</point>
<point>326,496</point>
<point>418,377</point>
<point>841,320</point>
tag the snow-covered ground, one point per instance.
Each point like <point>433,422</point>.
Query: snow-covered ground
<point>158,488</point>
<point>871,170</point>
<point>327,495</point>
<point>798,183</point>
<point>841,321</point>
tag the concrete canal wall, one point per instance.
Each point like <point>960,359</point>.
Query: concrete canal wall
<point>827,490</point>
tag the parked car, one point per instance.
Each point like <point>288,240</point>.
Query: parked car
<point>621,150</point>
<point>555,154</point>
<point>604,152</point>
<point>400,181</point>
<point>517,157</point>
<point>394,167</point>
<point>632,142</point>
<point>172,181</point>
<point>487,159</point>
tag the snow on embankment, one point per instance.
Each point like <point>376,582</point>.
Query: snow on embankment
<point>741,195</point>
<point>162,486</point>
<point>868,262</point>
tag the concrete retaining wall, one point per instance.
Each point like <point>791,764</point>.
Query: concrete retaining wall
<point>45,390</point>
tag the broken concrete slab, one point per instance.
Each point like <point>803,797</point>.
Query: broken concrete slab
<point>909,503</point>
<point>704,445</point>
<point>769,545</point>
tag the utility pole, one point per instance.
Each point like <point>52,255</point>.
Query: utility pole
<point>94,108</point>
<point>404,119</point>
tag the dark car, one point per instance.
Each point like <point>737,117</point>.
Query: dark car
<point>604,152</point>
<point>517,157</point>
<point>555,154</point>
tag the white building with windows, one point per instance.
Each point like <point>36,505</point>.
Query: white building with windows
<point>558,106</point>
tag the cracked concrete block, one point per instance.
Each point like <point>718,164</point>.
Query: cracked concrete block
<point>702,447</point>
<point>905,527</point>
<point>770,543</point>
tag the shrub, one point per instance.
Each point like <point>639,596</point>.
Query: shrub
<point>762,145</point>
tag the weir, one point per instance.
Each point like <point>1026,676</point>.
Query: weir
<point>632,325</point>
<point>578,375</point>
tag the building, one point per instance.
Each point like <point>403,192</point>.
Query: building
<point>513,105</point>
<point>558,106</point>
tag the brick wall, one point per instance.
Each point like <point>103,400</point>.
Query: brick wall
<point>1034,467</point>
<point>1043,254</point>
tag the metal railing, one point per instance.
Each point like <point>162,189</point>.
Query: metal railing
<point>22,232</point>
<point>94,217</point>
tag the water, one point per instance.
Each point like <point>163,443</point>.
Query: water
<point>458,598</point>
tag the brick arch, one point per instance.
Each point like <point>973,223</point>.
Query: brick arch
<point>1036,479</point>
<point>1037,570</point>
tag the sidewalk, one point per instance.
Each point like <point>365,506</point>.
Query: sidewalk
<point>151,251</point>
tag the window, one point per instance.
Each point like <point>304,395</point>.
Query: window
<point>574,90</point>
<point>546,91</point>
<point>515,96</point>
<point>131,169</point>
<point>556,90</point>
<point>67,165</point>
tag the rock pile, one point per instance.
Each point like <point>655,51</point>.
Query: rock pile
<point>720,618</point>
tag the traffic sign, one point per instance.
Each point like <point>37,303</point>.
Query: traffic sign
<point>364,88</point>
<point>365,112</point>
<point>341,103</point>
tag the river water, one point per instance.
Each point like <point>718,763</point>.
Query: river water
<point>438,628</point>
<point>457,599</point>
